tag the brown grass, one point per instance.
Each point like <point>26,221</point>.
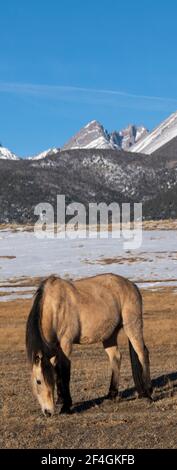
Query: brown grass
<point>167,224</point>
<point>115,260</point>
<point>126,423</point>
<point>22,282</point>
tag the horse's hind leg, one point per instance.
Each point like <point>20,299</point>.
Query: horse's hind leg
<point>114,354</point>
<point>140,361</point>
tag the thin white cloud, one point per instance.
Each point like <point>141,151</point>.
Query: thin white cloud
<point>89,95</point>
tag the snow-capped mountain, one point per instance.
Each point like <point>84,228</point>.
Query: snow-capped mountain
<point>46,153</point>
<point>6,154</point>
<point>127,137</point>
<point>162,134</point>
<point>93,135</point>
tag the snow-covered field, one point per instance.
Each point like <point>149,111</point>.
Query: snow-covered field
<point>154,264</point>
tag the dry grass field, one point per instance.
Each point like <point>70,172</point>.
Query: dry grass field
<point>95,422</point>
<point>166,224</point>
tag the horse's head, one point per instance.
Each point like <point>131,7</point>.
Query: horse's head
<point>43,383</point>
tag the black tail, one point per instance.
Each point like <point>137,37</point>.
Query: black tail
<point>34,340</point>
<point>137,372</point>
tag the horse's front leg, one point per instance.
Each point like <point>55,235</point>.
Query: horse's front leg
<point>58,381</point>
<point>64,370</point>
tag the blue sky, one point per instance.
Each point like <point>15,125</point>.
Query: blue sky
<point>64,63</point>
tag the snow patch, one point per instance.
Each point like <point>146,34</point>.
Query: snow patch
<point>6,154</point>
<point>44,154</point>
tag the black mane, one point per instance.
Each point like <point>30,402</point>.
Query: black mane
<point>35,343</point>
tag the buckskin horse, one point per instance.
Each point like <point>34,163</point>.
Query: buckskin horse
<point>84,311</point>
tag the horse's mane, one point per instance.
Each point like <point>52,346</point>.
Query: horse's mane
<point>35,342</point>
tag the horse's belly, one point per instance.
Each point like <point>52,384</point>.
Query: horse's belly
<point>98,326</point>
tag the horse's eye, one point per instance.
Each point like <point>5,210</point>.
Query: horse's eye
<point>38,382</point>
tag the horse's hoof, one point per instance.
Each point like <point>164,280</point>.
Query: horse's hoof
<point>65,410</point>
<point>112,395</point>
<point>146,397</point>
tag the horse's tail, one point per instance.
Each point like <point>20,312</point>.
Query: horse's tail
<point>34,341</point>
<point>137,372</point>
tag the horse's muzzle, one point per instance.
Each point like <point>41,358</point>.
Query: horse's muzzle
<point>47,413</point>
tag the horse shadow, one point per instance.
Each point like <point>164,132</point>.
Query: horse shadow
<point>163,386</point>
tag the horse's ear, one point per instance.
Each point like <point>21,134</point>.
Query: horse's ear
<point>37,359</point>
<point>53,361</point>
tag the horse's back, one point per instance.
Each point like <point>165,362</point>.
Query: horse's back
<point>117,286</point>
<point>90,308</point>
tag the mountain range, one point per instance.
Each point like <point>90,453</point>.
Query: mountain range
<point>90,175</point>
<point>94,136</point>
<point>94,167</point>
